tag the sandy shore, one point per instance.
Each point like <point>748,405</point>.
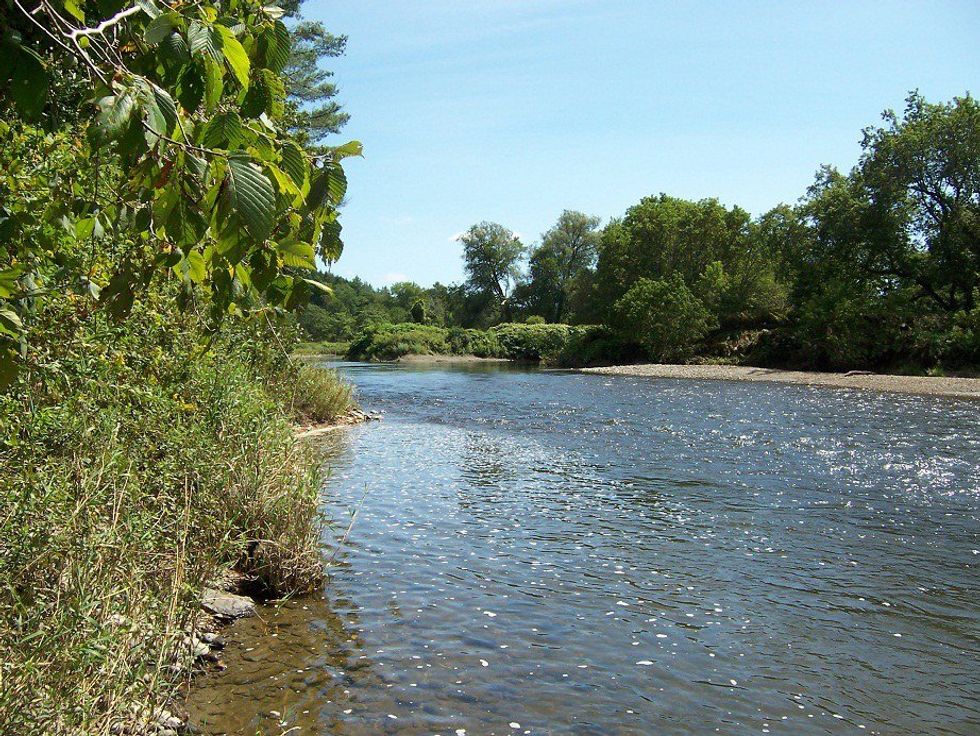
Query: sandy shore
<point>964,388</point>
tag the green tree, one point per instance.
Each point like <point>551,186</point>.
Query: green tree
<point>312,111</point>
<point>492,256</point>
<point>174,165</point>
<point>567,251</point>
<point>663,316</point>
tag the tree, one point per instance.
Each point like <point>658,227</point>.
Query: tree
<point>567,250</point>
<point>663,316</point>
<point>173,166</point>
<point>664,235</point>
<point>312,111</point>
<point>492,254</point>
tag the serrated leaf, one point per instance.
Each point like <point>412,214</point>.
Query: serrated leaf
<point>213,84</point>
<point>173,50</point>
<point>223,131</point>
<point>204,40</point>
<point>190,86</point>
<point>251,196</point>
<point>193,267</point>
<point>330,245</point>
<point>234,54</point>
<point>114,115</point>
<point>294,163</point>
<point>297,254</point>
<point>276,45</point>
<point>351,148</point>
<point>167,107</point>
<point>267,94</point>
<point>160,27</point>
<point>148,7</point>
<point>329,186</point>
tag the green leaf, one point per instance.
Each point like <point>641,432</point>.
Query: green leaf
<point>167,107</point>
<point>294,163</point>
<point>190,86</point>
<point>275,44</point>
<point>204,40</point>
<point>234,54</point>
<point>329,186</point>
<point>8,280</point>
<point>223,131</point>
<point>160,27</point>
<point>267,93</point>
<point>330,244</point>
<point>351,148</point>
<point>320,286</point>
<point>71,7</point>
<point>298,254</point>
<point>10,323</point>
<point>29,81</point>
<point>114,115</point>
<point>9,364</point>
<point>250,194</point>
<point>193,267</point>
<point>213,83</point>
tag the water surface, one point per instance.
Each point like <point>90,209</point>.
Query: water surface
<point>555,553</point>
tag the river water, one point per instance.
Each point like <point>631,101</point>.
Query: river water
<point>547,552</point>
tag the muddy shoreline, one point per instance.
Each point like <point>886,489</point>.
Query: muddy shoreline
<point>961,388</point>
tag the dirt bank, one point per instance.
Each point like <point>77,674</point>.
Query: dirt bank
<point>965,388</point>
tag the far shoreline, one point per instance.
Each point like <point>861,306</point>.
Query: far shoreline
<point>960,388</point>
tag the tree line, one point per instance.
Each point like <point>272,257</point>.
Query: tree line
<point>877,268</point>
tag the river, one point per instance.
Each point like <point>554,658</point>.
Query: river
<point>548,552</point>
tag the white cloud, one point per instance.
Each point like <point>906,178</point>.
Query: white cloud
<point>393,278</point>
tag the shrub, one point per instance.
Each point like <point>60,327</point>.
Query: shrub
<point>136,462</point>
<point>390,342</point>
<point>664,317</point>
<point>535,319</point>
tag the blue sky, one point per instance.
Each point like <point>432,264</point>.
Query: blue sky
<point>512,111</point>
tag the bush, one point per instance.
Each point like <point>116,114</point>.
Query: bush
<point>664,317</point>
<point>535,319</point>
<point>390,342</point>
<point>136,462</point>
<point>314,394</point>
<point>595,345</point>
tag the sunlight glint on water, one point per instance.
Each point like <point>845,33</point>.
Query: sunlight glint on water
<point>583,555</point>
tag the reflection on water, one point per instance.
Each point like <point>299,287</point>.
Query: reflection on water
<point>546,552</point>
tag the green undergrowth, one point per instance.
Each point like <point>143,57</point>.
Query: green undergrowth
<point>136,463</point>
<point>554,344</point>
<point>325,347</point>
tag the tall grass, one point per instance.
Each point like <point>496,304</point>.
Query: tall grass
<point>134,467</point>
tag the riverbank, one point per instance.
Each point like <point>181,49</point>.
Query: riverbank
<point>963,388</point>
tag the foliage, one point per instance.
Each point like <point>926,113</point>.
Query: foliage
<point>533,342</point>
<point>491,254</point>
<point>112,522</point>
<point>172,161</point>
<point>311,113</point>
<point>567,252</point>
<point>663,316</point>
<point>317,395</point>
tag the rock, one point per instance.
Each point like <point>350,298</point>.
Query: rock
<point>212,639</point>
<point>173,723</point>
<point>227,605</point>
